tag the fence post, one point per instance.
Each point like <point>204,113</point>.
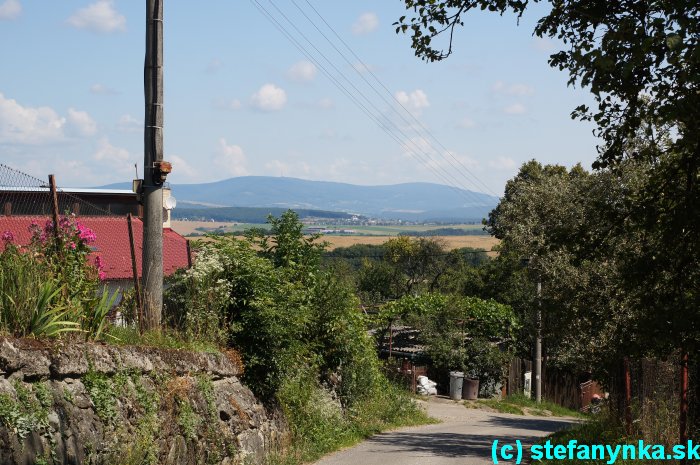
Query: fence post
<point>134,270</point>
<point>628,396</point>
<point>683,419</point>
<point>54,211</point>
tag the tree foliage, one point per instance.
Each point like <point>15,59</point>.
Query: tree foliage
<point>614,281</point>
<point>619,250</point>
<point>641,61</point>
<point>470,334</point>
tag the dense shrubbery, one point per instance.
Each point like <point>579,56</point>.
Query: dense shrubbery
<point>299,328</point>
<point>468,334</point>
<point>51,286</point>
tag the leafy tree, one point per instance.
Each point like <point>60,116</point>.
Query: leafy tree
<point>641,61</point>
<point>408,266</point>
<point>622,50</point>
<point>469,334</point>
<point>286,245</point>
<point>356,254</point>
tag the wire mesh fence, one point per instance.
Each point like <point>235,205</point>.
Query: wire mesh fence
<point>24,195</point>
<point>653,408</point>
<point>31,209</point>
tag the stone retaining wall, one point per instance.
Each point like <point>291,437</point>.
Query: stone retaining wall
<point>81,403</point>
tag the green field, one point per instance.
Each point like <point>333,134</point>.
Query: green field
<point>391,230</point>
<point>395,229</point>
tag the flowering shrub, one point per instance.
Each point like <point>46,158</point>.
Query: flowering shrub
<point>196,299</point>
<point>66,254</point>
<point>51,279</point>
<point>8,237</point>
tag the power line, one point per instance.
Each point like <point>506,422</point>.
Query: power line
<point>382,125</point>
<point>460,166</point>
<point>390,104</point>
<point>448,177</point>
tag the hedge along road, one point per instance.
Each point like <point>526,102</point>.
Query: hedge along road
<point>465,436</point>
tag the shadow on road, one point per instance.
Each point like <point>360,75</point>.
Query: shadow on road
<point>438,444</point>
<point>443,444</point>
<point>533,424</point>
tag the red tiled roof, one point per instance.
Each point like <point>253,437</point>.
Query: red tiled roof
<point>111,243</point>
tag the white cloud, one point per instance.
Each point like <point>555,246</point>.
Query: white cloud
<point>333,169</point>
<point>10,9</point>
<point>269,98</point>
<point>27,125</point>
<point>101,89</point>
<point>416,145</point>
<point>329,134</point>
<point>108,152</point>
<point>544,44</point>
<point>277,168</point>
<point>415,101</point>
<point>224,104</point>
<point>128,123</point>
<point>363,67</point>
<point>519,90</point>
<point>465,123</point>
<point>81,123</point>
<point>515,109</point>
<point>181,169</point>
<point>302,71</point>
<point>366,23</point>
<point>214,65</point>
<point>98,17</point>
<point>326,104</point>
<point>503,163</point>
<point>231,159</point>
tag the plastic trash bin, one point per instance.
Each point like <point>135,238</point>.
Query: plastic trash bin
<point>456,380</point>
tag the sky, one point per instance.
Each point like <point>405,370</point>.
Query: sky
<point>350,103</point>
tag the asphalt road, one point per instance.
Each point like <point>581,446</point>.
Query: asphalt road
<point>464,437</point>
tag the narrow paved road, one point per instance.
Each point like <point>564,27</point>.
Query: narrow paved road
<point>464,437</point>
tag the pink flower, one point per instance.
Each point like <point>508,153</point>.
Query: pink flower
<point>101,275</point>
<point>7,236</point>
<point>85,234</point>
<point>72,245</point>
<point>98,263</point>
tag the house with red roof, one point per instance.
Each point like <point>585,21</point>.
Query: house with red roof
<point>21,209</point>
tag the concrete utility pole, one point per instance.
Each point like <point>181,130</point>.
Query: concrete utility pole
<point>155,169</point>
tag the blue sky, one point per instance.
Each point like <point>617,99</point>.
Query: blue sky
<point>240,99</point>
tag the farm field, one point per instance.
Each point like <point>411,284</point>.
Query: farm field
<point>187,228</point>
<point>452,242</point>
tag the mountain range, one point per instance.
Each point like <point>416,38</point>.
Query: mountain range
<point>418,201</point>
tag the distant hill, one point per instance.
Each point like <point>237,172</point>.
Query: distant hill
<point>417,201</point>
<point>249,214</point>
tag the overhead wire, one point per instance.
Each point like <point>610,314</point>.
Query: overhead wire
<point>382,124</point>
<point>446,176</point>
<point>459,165</point>
<point>389,104</point>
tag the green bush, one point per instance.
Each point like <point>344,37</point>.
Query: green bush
<point>195,299</point>
<point>300,330</point>
<point>320,424</point>
<point>51,286</point>
<point>468,334</point>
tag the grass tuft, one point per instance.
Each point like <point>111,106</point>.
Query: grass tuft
<point>163,339</point>
<point>518,404</point>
